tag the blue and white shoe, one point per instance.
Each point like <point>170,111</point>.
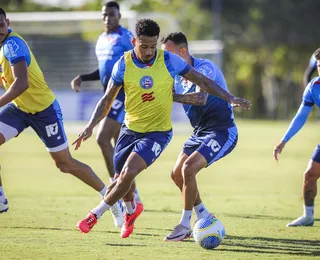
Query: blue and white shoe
<point>302,221</point>
<point>117,211</point>
<point>4,206</point>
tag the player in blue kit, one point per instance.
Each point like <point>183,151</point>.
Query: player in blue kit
<point>312,67</point>
<point>146,74</point>
<point>214,136</point>
<point>29,102</point>
<point>111,44</point>
<point>311,97</point>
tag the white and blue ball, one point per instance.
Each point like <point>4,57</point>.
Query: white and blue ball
<point>208,232</point>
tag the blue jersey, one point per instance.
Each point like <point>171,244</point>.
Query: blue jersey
<point>175,65</point>
<point>110,47</point>
<point>216,113</point>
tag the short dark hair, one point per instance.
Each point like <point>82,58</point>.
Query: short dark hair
<point>3,12</point>
<point>177,38</point>
<point>147,27</point>
<point>317,54</point>
<point>112,4</point>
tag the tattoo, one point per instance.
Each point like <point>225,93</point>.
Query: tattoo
<point>195,99</point>
<point>104,105</point>
<point>309,191</point>
<point>208,85</point>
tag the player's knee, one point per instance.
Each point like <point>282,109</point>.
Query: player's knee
<point>311,175</point>
<point>128,174</point>
<point>103,141</point>
<point>188,172</point>
<point>63,167</point>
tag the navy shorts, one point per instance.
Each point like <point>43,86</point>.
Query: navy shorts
<point>149,146</point>
<point>117,112</point>
<point>47,124</point>
<point>212,146</point>
<point>316,154</point>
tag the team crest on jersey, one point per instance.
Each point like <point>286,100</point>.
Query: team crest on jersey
<point>146,82</point>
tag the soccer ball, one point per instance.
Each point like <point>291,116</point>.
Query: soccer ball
<point>208,232</point>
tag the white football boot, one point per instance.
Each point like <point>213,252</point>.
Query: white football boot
<point>179,233</point>
<point>117,212</point>
<point>302,221</point>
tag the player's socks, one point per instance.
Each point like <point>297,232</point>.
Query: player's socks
<point>131,206</point>
<point>100,209</point>
<point>201,211</point>
<point>111,179</point>
<point>137,196</point>
<point>308,211</point>
<point>103,191</point>
<point>185,218</point>
<point>2,196</point>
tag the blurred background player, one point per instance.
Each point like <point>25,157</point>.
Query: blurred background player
<point>311,97</point>
<point>28,101</point>
<point>147,76</point>
<point>310,70</point>
<point>214,136</point>
<point>111,45</point>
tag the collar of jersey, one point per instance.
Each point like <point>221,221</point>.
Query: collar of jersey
<point>140,63</point>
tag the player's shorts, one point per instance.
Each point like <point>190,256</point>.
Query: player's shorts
<point>212,146</point>
<point>149,146</point>
<point>117,112</point>
<point>316,154</point>
<point>47,124</point>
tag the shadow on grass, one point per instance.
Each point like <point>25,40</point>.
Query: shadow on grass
<point>124,245</point>
<point>267,245</point>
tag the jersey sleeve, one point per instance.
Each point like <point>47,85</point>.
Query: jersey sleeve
<point>16,50</point>
<point>175,64</point>
<point>127,41</point>
<point>117,74</point>
<point>307,98</point>
<point>208,70</point>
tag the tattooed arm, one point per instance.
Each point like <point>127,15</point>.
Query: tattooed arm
<point>214,89</point>
<point>198,98</point>
<point>101,111</point>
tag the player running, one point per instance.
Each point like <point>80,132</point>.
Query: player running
<point>214,136</point>
<point>311,97</point>
<point>147,76</point>
<point>28,101</point>
<point>111,45</point>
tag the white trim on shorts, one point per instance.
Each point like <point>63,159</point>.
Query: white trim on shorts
<point>58,148</point>
<point>8,131</point>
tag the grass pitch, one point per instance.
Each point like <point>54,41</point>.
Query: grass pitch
<point>251,194</point>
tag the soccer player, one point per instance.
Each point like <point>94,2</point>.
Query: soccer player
<point>310,98</point>
<point>312,67</point>
<point>111,44</point>
<point>147,76</point>
<point>214,136</point>
<point>28,101</point>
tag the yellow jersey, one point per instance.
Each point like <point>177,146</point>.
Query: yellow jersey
<point>38,96</point>
<point>148,95</point>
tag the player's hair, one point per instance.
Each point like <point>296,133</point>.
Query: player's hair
<point>3,13</point>
<point>178,38</point>
<point>112,4</point>
<point>147,27</point>
<point>317,54</point>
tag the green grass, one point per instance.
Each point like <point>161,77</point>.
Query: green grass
<point>251,194</point>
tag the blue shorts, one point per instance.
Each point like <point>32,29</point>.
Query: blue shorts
<point>149,146</point>
<point>212,146</point>
<point>47,124</point>
<point>316,154</point>
<point>117,112</point>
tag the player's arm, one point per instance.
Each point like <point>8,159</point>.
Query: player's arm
<point>101,111</point>
<point>209,86</point>
<point>195,99</point>
<point>297,122</point>
<point>20,84</point>
<point>92,76</point>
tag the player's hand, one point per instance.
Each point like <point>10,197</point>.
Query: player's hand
<point>83,136</point>
<point>75,83</point>
<point>278,149</point>
<point>241,102</point>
